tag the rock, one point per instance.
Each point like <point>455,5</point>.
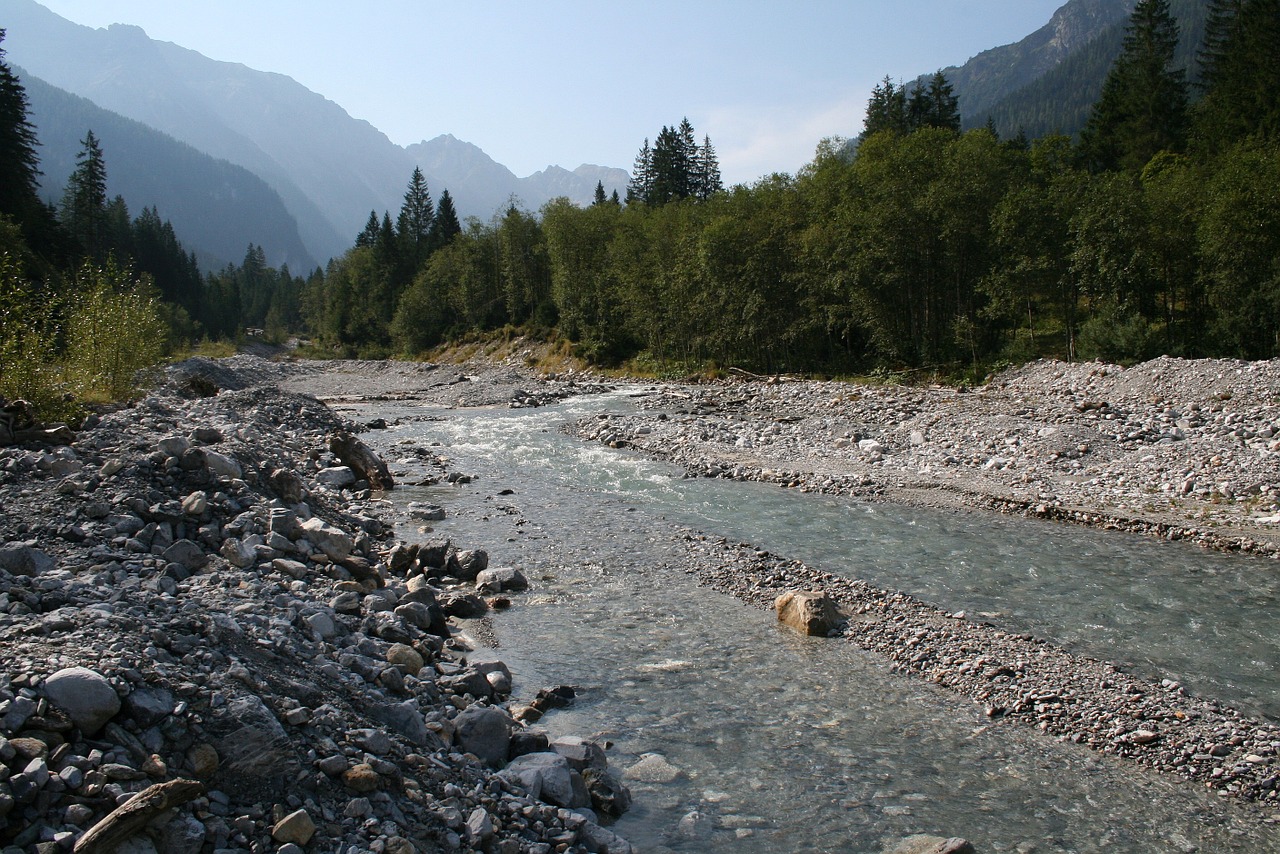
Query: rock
<point>810,612</point>
<point>297,827</point>
<point>455,603</point>
<point>330,539</point>
<point>581,753</point>
<point>86,696</point>
<point>598,838</point>
<point>405,719</point>
<point>484,731</point>
<point>148,706</point>
<point>405,657</point>
<point>251,742</point>
<point>187,554</point>
<point>361,778</point>
<point>500,580</point>
<point>925,844</point>
<point>221,465</point>
<point>25,560</point>
<point>238,553</point>
<point>471,562</point>
<point>336,477</point>
<point>653,768</point>
<point>479,828</point>
<point>608,795</point>
<point>548,777</point>
<point>363,462</point>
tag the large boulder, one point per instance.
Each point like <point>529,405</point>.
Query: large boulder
<point>330,539</point>
<point>484,731</point>
<point>502,579</point>
<point>924,844</point>
<point>548,777</point>
<point>809,611</point>
<point>85,695</point>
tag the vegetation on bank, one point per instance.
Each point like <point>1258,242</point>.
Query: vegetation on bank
<point>913,247</point>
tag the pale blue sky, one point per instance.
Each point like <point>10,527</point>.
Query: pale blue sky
<point>570,81</point>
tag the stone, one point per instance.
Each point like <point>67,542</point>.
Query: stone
<point>221,465</point>
<point>148,705</point>
<point>204,760</point>
<point>297,827</point>
<point>809,612</point>
<point>455,603</point>
<point>174,446</point>
<point>24,560</point>
<point>361,778</point>
<point>187,554</point>
<point>85,695</point>
<point>548,777</point>
<point>405,657</point>
<point>479,827</point>
<point>238,553</point>
<point>406,720</point>
<point>581,753</point>
<point>471,562</point>
<point>330,539</point>
<point>251,741</point>
<point>608,794</point>
<point>484,731</point>
<point>183,834</point>
<point>921,843</point>
<point>653,768</point>
<point>598,838</point>
<point>336,477</point>
<point>500,580</point>
<point>195,504</point>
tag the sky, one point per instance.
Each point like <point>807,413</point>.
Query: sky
<point>566,82</point>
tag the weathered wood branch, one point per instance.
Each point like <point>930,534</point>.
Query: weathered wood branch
<point>357,456</point>
<point>126,820</point>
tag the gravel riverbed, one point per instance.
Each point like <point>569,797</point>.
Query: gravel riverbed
<point>203,568</point>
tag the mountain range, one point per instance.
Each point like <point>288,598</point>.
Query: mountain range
<point>233,155</point>
<point>329,169</point>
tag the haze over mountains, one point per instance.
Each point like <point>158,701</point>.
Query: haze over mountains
<point>329,169</point>
<point>232,155</point>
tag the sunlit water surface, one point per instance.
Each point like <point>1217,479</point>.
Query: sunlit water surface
<point>785,743</point>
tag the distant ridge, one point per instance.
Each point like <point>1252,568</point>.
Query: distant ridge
<point>217,209</point>
<point>329,168</point>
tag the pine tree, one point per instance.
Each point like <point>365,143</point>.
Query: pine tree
<point>707,181</point>
<point>641,183</point>
<point>19,163</point>
<point>1143,107</point>
<point>1238,73</point>
<point>369,235</point>
<point>886,110</point>
<point>445,226</point>
<point>84,204</point>
<point>413,226</point>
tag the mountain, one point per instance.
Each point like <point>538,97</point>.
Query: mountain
<point>217,209</point>
<point>1049,81</point>
<point>329,168</point>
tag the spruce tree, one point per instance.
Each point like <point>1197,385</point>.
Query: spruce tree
<point>1239,74</point>
<point>413,226</point>
<point>944,106</point>
<point>707,181</point>
<point>641,182</point>
<point>600,197</point>
<point>19,163</point>
<point>1143,107</point>
<point>369,235</point>
<point>445,225</point>
<point>84,203</point>
<point>886,109</point>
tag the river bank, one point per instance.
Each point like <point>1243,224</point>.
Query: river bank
<point>245,631</point>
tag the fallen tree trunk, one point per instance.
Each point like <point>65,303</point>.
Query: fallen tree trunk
<point>126,820</point>
<point>357,456</point>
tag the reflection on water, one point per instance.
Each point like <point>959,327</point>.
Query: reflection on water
<point>782,743</point>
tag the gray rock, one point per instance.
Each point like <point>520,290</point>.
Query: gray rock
<point>182,835</point>
<point>336,477</point>
<point>187,554</point>
<point>405,719</point>
<point>222,465</point>
<point>479,828</point>
<point>238,552</point>
<point>581,753</point>
<point>471,562</point>
<point>330,539</point>
<point>500,580</point>
<point>251,742</point>
<point>484,731</point>
<point>86,696</point>
<point>149,705</point>
<point>924,844</point>
<point>598,838</point>
<point>549,778</point>
<point>24,560</point>
<point>174,446</point>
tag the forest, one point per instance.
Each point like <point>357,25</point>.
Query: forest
<point>915,247</point>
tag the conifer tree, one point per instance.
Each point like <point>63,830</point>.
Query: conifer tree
<point>445,225</point>
<point>1239,73</point>
<point>600,197</point>
<point>19,163</point>
<point>369,234</point>
<point>943,105</point>
<point>84,204</point>
<point>886,110</point>
<point>641,183</point>
<point>707,181</point>
<point>413,226</point>
<point>1143,107</point>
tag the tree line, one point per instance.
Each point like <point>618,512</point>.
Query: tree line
<point>1158,231</point>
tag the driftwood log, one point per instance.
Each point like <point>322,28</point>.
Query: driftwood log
<point>357,456</point>
<point>126,820</point>
<point>18,424</point>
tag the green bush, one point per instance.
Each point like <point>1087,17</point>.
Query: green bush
<point>115,334</point>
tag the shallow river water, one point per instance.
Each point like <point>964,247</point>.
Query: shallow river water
<point>750,738</point>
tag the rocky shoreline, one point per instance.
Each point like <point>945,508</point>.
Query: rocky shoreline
<point>235,600</point>
<point>199,605</point>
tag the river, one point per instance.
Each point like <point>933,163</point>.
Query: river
<point>750,738</point>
